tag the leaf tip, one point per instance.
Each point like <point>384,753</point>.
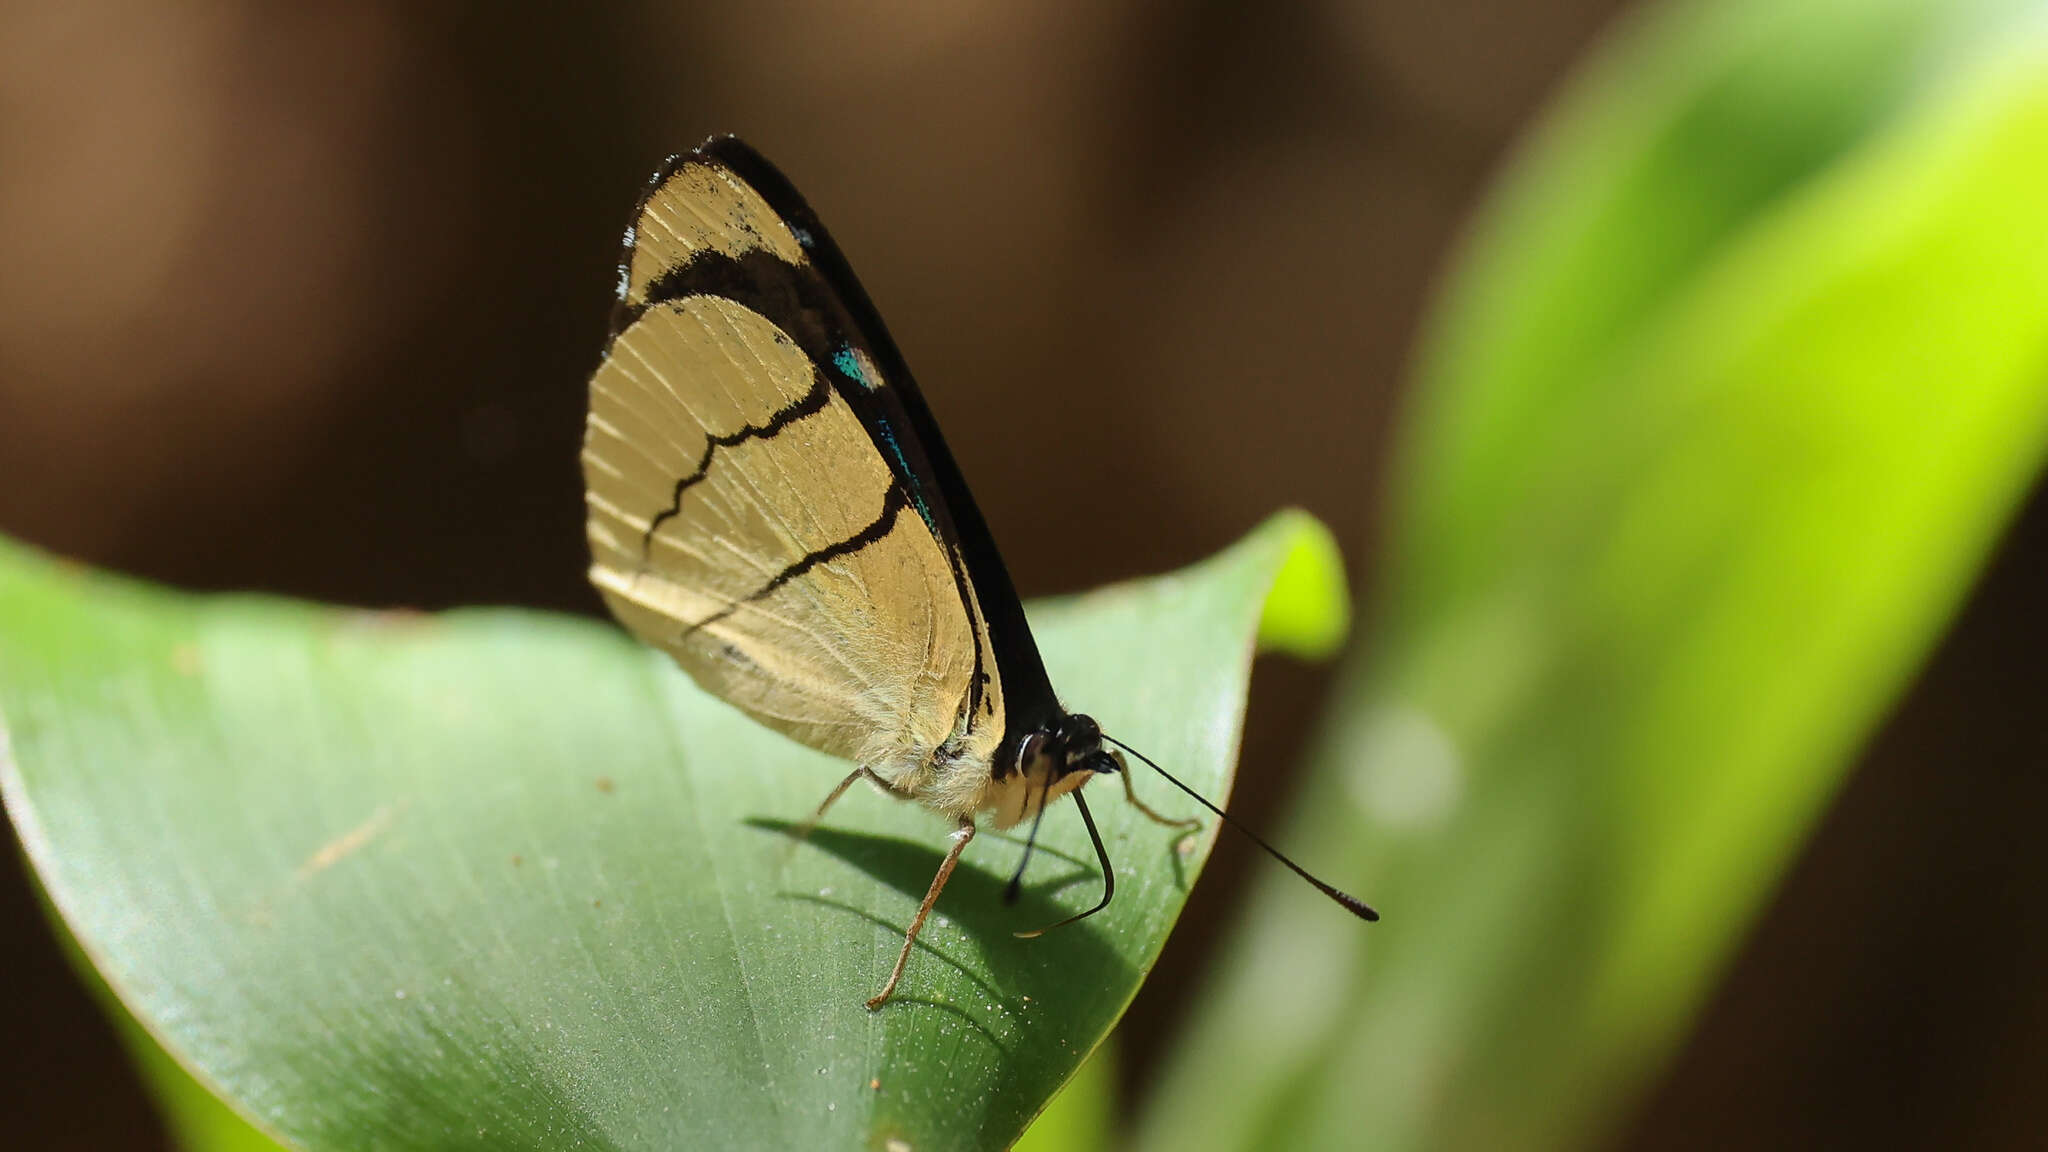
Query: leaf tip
<point>1307,612</point>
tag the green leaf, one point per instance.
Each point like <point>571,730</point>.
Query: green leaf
<point>1745,371</point>
<point>197,1119</point>
<point>495,879</point>
<point>1308,612</point>
<point>1082,1118</point>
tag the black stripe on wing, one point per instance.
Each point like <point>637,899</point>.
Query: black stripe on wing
<point>883,524</point>
<point>810,403</point>
<point>827,312</point>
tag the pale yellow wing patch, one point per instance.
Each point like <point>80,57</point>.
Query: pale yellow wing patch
<point>742,520</point>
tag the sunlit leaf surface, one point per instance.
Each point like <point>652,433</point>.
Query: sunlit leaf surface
<point>499,880</point>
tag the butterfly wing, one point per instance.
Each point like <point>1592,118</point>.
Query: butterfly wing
<point>878,385</point>
<point>746,516</point>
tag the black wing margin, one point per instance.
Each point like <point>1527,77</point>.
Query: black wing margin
<point>827,312</point>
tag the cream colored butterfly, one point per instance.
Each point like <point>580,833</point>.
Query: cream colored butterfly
<point>771,504</point>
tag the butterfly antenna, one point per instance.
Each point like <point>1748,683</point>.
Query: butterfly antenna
<point>1016,887</point>
<point>1352,904</point>
<point>1108,874</point>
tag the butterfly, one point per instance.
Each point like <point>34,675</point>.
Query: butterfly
<point>770,502</point>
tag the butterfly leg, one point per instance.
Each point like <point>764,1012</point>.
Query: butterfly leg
<point>802,832</point>
<point>1131,794</point>
<point>964,834</point>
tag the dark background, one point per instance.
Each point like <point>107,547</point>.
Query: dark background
<point>303,300</point>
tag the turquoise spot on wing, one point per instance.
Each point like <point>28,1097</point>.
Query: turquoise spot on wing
<point>854,367</point>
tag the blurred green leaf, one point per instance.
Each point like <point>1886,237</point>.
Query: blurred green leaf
<point>1742,374</point>
<point>493,879</point>
<point>1308,613</point>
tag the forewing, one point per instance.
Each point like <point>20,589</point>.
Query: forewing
<point>741,520</point>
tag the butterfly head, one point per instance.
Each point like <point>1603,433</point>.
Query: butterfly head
<point>1061,757</point>
<point>1049,763</point>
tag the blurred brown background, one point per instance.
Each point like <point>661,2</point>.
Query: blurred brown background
<point>301,298</point>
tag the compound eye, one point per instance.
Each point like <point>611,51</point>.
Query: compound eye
<point>1067,730</point>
